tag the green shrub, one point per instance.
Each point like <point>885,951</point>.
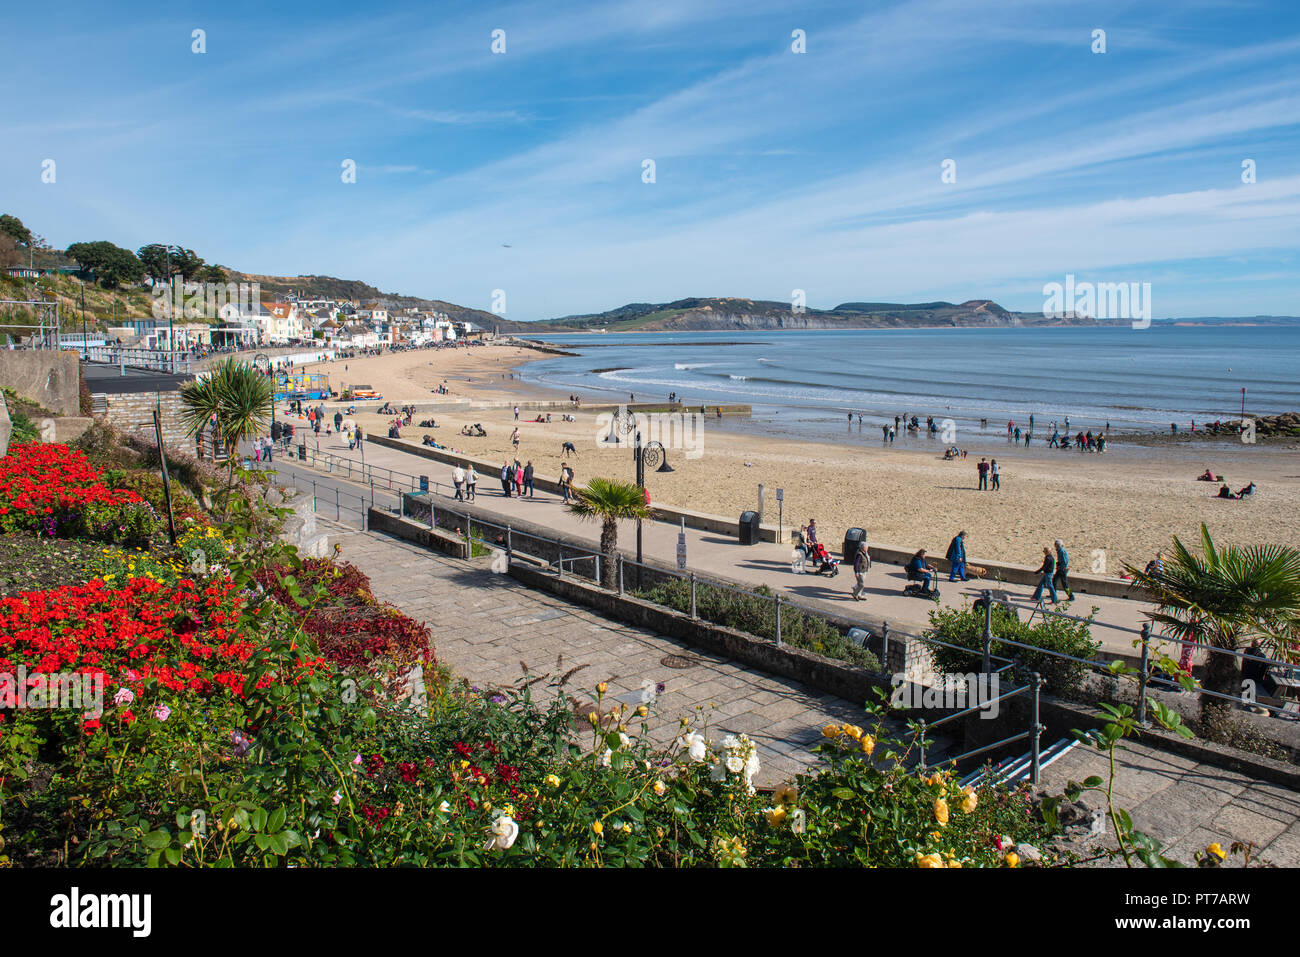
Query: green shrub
<point>757,616</point>
<point>965,627</point>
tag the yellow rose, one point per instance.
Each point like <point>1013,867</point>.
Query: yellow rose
<point>929,860</point>
<point>969,800</point>
<point>954,863</point>
<point>1012,859</point>
<point>941,810</point>
<point>868,744</point>
<point>602,687</point>
<point>776,816</point>
<point>593,718</point>
<point>852,730</point>
<point>552,780</point>
<point>642,710</point>
<point>597,827</point>
<point>660,788</point>
<point>1217,850</point>
<point>830,731</point>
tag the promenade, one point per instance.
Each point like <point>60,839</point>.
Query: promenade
<point>1118,620</point>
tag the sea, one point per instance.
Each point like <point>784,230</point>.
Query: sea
<point>806,383</point>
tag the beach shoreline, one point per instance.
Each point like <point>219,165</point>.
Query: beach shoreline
<point>1109,509</point>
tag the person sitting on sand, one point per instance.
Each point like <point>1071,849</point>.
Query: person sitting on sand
<point>1206,476</point>
<point>1247,491</point>
<point>1224,491</point>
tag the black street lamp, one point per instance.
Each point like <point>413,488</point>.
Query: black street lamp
<point>645,454</point>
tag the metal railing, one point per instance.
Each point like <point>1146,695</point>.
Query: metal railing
<point>1144,638</point>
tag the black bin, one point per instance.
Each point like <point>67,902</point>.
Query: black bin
<point>852,539</point>
<point>424,483</point>
<point>302,453</point>
<point>749,528</point>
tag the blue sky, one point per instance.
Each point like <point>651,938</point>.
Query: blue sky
<point>774,170</point>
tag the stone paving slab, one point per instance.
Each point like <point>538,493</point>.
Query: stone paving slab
<point>1189,805</point>
<point>484,624</point>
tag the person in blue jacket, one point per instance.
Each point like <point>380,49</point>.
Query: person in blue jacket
<point>957,557</point>
<point>1063,570</point>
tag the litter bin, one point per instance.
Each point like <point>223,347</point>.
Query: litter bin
<point>302,453</point>
<point>424,483</point>
<point>852,539</point>
<point>749,528</point>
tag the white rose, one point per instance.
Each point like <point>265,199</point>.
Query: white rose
<point>604,758</point>
<point>730,742</point>
<point>504,831</point>
<point>623,740</point>
<point>735,765</point>
<point>751,765</point>
<point>696,748</point>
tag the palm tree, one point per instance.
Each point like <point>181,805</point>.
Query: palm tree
<point>1226,598</point>
<point>241,399</point>
<point>607,501</point>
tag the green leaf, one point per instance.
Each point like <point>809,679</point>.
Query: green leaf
<point>276,820</point>
<point>1093,782</point>
<point>157,839</point>
<point>172,854</point>
<point>844,794</point>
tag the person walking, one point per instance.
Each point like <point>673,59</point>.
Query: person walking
<point>516,413</point>
<point>984,474</point>
<point>458,479</point>
<point>1063,570</point>
<point>267,446</point>
<point>338,420</point>
<point>1046,572</point>
<point>861,565</point>
<point>471,483</point>
<point>528,479</point>
<point>566,480</point>
<point>514,438</point>
<point>518,471</point>
<point>505,479</point>
<point>995,473</point>
<point>957,558</point>
<point>357,434</point>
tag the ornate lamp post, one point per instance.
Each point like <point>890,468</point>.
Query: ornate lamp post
<point>645,454</point>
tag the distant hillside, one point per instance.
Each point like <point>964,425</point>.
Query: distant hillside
<point>729,313</point>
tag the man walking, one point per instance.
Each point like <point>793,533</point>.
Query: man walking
<point>516,413</point>
<point>566,479</point>
<point>1047,571</point>
<point>528,479</point>
<point>984,474</point>
<point>458,477</point>
<point>505,479</point>
<point>861,565</point>
<point>957,558</point>
<point>1063,570</point>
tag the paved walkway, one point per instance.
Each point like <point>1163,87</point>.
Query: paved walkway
<point>484,624</point>
<point>764,564</point>
<point>1188,805</point>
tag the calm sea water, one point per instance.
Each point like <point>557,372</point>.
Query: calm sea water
<point>805,383</point>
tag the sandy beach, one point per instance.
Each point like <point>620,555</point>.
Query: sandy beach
<point>1103,506</point>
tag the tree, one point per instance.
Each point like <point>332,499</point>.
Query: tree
<point>154,259</point>
<point>187,262</point>
<point>13,227</point>
<point>108,263</point>
<point>1225,598</point>
<point>241,400</point>
<point>9,254</point>
<point>606,501</point>
<point>212,273</point>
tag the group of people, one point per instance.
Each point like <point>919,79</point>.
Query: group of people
<point>1083,441</point>
<point>990,474</point>
<point>517,477</point>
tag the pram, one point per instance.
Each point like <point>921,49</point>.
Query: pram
<point>816,555</point>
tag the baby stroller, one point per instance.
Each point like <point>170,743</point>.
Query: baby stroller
<point>816,555</point>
